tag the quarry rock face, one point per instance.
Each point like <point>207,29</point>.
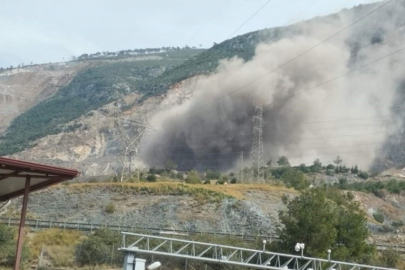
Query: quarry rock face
<point>22,88</point>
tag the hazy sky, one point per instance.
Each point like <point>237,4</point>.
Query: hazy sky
<point>48,30</point>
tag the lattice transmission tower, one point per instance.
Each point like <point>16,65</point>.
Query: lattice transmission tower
<point>256,154</point>
<point>131,133</point>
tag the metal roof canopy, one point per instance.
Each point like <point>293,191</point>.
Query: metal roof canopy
<point>20,178</point>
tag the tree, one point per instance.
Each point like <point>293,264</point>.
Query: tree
<point>294,178</point>
<point>324,220</point>
<point>283,162</point>
<point>317,166</point>
<point>7,246</point>
<point>210,175</point>
<point>96,249</point>
<point>151,178</point>
<point>193,178</point>
<point>170,165</point>
<point>338,160</point>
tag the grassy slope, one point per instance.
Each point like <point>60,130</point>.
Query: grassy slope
<point>199,191</point>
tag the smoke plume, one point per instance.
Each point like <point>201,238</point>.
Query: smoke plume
<point>308,112</point>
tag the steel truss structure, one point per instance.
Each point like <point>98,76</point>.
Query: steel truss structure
<point>256,154</point>
<point>214,253</point>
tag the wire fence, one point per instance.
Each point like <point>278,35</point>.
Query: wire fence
<point>37,224</point>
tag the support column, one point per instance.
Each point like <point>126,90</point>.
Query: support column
<point>22,224</point>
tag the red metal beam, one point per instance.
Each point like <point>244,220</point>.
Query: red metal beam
<point>34,167</point>
<point>22,224</point>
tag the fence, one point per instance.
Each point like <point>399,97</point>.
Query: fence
<point>38,224</point>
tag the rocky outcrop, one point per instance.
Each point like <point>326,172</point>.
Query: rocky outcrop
<point>22,88</point>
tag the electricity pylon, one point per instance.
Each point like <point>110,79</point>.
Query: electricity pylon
<point>256,154</point>
<point>131,143</point>
<point>241,167</point>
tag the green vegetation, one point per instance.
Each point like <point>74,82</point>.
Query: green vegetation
<point>151,178</point>
<point>193,178</point>
<point>324,219</point>
<point>378,216</point>
<point>109,208</point>
<point>104,83</point>
<point>390,258</point>
<point>97,249</point>
<point>58,245</point>
<point>8,241</point>
<point>90,89</point>
<point>376,187</point>
<point>295,179</point>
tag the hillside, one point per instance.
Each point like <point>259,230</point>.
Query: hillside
<point>101,82</point>
<point>75,127</point>
<point>238,208</point>
<point>227,209</point>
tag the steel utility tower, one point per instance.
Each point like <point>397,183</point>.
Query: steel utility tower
<point>256,154</point>
<point>241,167</point>
<point>131,133</point>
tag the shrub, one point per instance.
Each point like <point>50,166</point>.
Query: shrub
<point>7,247</point>
<point>294,178</point>
<point>330,167</point>
<point>109,208</point>
<point>193,178</point>
<point>363,175</point>
<point>234,180</point>
<point>379,217</point>
<point>97,248</point>
<point>303,168</point>
<point>151,178</point>
<point>211,175</point>
<point>389,258</point>
<point>397,224</point>
<point>53,237</point>
<point>350,196</point>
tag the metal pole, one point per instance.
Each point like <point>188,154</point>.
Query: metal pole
<point>22,223</point>
<point>130,161</point>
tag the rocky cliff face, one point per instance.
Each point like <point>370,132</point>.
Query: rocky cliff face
<point>22,88</point>
<point>93,144</point>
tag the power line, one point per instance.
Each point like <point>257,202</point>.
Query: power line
<point>206,23</point>
<point>379,125</point>
<point>237,153</point>
<point>302,11</point>
<point>309,146</point>
<point>300,55</point>
<point>251,17</point>
<point>363,151</point>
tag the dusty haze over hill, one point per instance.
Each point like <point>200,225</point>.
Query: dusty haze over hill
<point>52,34</point>
<point>349,116</point>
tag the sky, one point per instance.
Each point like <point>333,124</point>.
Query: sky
<point>43,31</point>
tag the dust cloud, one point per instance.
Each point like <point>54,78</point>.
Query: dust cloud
<point>309,111</point>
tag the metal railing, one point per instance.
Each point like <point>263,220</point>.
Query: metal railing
<point>236,256</point>
<point>38,224</point>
